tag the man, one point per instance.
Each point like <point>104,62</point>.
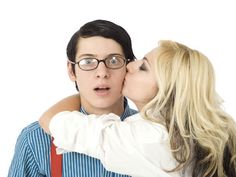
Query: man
<point>97,57</point>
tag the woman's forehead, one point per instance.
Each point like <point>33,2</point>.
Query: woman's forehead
<point>151,56</point>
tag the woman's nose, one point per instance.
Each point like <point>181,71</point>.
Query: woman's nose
<point>128,67</point>
<point>132,66</point>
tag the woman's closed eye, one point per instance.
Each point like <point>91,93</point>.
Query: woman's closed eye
<point>143,67</point>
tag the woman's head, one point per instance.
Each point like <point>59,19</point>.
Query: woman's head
<point>176,87</point>
<point>171,72</point>
<point>179,91</point>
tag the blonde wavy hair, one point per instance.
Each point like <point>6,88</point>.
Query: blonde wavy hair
<point>201,134</point>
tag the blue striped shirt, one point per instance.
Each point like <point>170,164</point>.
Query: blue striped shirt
<point>32,156</point>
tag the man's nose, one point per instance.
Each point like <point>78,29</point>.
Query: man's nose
<point>102,71</point>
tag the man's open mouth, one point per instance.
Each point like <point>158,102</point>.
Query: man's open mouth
<point>102,88</point>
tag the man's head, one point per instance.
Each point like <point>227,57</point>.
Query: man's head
<point>100,88</point>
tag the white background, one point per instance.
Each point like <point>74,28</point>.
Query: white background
<point>34,35</point>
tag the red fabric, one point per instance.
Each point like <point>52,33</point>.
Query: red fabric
<point>56,162</point>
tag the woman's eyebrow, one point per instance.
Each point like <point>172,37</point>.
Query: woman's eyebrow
<point>145,58</point>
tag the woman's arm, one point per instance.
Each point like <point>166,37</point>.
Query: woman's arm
<point>70,103</point>
<point>136,147</point>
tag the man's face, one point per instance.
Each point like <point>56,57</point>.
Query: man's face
<point>100,89</point>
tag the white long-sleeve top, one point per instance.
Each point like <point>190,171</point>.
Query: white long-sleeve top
<point>135,146</point>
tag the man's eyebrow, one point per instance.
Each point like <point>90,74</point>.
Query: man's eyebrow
<point>94,55</point>
<point>86,55</point>
<point>111,54</point>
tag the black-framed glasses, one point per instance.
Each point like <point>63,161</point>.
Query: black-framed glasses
<point>111,62</point>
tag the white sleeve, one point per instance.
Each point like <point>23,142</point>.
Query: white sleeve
<point>135,146</point>
<point>75,131</point>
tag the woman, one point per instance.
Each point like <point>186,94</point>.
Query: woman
<point>181,129</point>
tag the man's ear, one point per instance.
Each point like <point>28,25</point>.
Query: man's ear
<point>70,72</point>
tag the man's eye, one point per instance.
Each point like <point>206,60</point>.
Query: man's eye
<point>143,67</point>
<point>87,61</point>
<point>113,61</point>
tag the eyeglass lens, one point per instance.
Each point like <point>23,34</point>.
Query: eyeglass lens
<point>112,62</point>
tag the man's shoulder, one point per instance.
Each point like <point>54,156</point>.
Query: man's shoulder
<point>32,152</point>
<point>31,128</point>
<point>33,133</point>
